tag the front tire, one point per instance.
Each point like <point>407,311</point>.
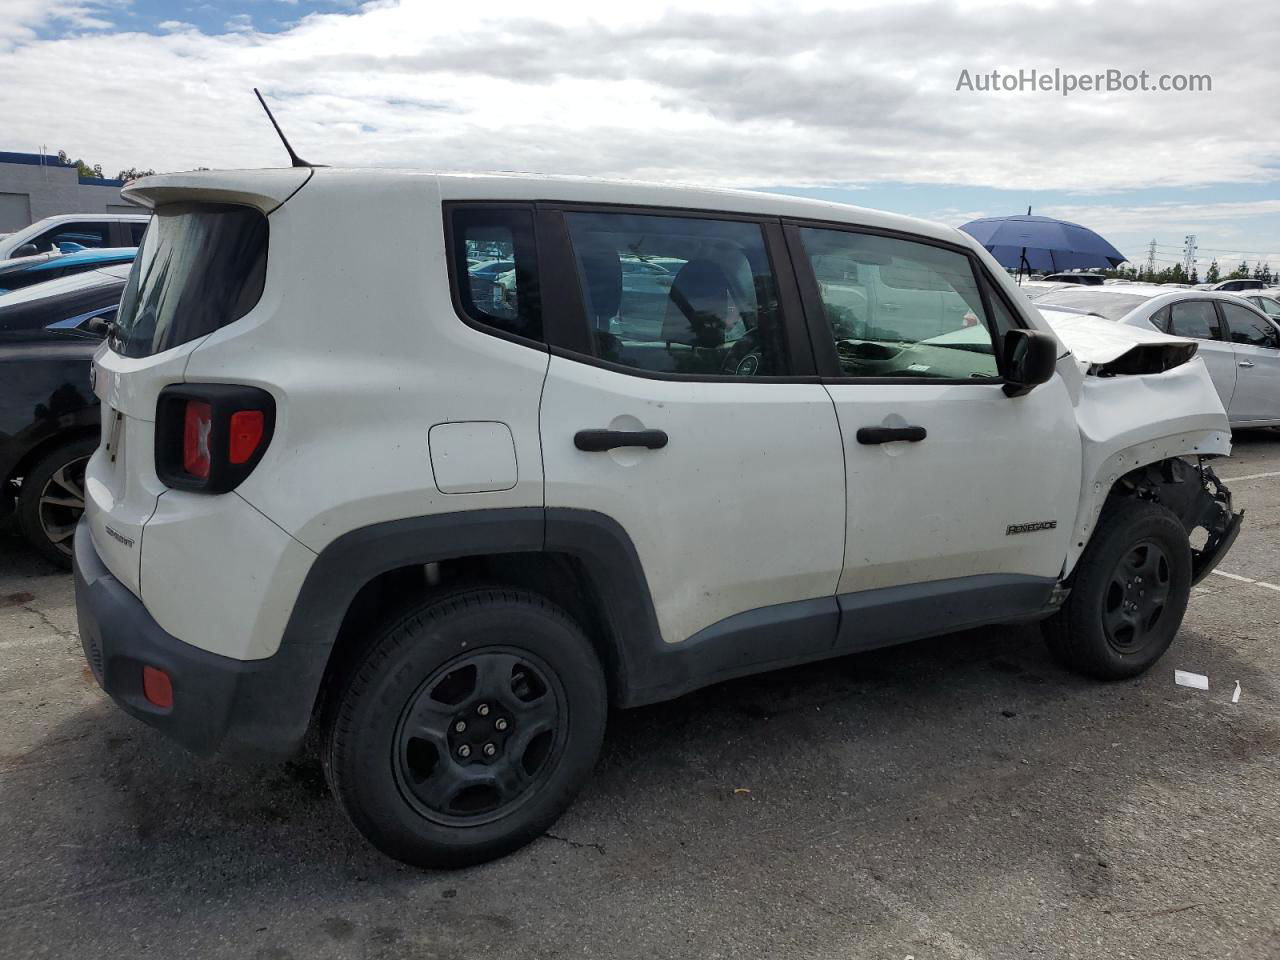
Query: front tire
<point>466,728</point>
<point>51,499</point>
<point>1129,595</point>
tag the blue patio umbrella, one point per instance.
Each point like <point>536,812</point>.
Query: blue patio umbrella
<point>1042,243</point>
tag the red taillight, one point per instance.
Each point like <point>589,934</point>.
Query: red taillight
<point>196,426</point>
<point>210,436</point>
<point>247,427</point>
<point>157,687</point>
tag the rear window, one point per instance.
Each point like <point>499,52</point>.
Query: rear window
<point>201,266</point>
<point>1112,306</point>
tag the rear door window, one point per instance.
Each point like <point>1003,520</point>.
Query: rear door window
<point>201,266</point>
<point>1195,318</point>
<point>679,295</point>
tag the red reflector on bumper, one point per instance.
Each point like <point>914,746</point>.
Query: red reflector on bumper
<point>157,687</point>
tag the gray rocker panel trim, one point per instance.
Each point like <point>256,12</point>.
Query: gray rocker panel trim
<point>646,670</point>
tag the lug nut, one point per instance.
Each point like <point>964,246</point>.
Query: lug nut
<point>464,751</point>
<point>483,709</point>
<point>490,749</point>
<point>460,726</point>
<point>500,724</point>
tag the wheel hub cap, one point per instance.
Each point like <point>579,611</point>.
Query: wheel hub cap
<point>1135,599</point>
<point>479,736</point>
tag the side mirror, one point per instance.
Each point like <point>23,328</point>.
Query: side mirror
<point>1030,357</point>
<point>26,250</point>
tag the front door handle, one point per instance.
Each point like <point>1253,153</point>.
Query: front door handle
<point>871,435</point>
<point>594,441</point>
<point>1245,363</point>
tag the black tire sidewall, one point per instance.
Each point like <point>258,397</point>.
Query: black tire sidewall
<point>28,504</point>
<point>366,714</point>
<point>1124,527</point>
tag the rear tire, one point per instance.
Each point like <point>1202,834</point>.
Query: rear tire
<point>1129,595</point>
<point>51,499</point>
<point>466,727</point>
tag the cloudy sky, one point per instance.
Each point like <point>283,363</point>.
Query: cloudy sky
<point>855,101</point>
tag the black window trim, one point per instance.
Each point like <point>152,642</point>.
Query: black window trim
<point>815,314</point>
<point>448,208</point>
<point>573,333</point>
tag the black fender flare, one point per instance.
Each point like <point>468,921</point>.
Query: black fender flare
<point>605,551</point>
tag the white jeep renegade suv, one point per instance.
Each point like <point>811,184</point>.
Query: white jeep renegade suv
<point>350,480</point>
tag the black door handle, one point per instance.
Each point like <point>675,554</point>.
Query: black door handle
<point>596,440</point>
<point>889,434</point>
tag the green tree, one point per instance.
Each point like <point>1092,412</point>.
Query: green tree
<point>1195,276</point>
<point>1266,274</point>
<point>1214,274</point>
<point>1239,273</point>
<point>84,169</point>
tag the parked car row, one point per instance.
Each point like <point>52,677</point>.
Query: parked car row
<point>54,310</point>
<point>1240,343</point>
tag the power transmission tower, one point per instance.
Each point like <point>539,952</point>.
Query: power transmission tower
<point>1151,258</point>
<point>1188,253</point>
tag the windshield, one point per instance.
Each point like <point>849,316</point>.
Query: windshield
<point>1104,303</point>
<point>200,267</point>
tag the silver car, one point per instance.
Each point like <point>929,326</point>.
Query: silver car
<point>1239,342</point>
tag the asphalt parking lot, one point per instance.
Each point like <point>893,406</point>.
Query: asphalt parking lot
<point>955,798</point>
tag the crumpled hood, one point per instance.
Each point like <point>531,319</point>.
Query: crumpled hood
<point>1104,347</point>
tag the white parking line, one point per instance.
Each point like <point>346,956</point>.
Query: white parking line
<point>1234,576</point>
<point>1256,583</point>
<point>1250,476</point>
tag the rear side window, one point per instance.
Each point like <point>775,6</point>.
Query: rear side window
<point>72,236</point>
<point>1195,318</point>
<point>201,266</point>
<point>495,268</point>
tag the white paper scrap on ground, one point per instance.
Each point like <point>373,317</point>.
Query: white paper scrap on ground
<point>1184,678</point>
<point>1235,696</point>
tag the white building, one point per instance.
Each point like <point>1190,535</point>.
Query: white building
<point>36,185</point>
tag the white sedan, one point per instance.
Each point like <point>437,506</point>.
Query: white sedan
<point>1239,343</point>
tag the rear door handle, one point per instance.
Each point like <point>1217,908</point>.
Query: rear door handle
<point>1245,363</point>
<point>871,435</point>
<point>594,441</point>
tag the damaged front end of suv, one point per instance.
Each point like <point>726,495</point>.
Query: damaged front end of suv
<point>1150,420</point>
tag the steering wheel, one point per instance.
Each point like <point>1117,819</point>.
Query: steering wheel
<point>744,358</point>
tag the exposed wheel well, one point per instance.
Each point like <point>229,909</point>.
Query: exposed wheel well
<point>559,577</point>
<point>1195,495</point>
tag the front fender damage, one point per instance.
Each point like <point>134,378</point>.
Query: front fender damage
<point>1169,421</point>
<point>1201,501</point>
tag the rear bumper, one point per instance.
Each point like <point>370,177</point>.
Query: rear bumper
<point>251,708</point>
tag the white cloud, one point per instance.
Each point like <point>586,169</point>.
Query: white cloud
<point>738,92</point>
<point>21,18</point>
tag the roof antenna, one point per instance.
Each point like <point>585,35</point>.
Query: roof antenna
<point>297,160</point>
